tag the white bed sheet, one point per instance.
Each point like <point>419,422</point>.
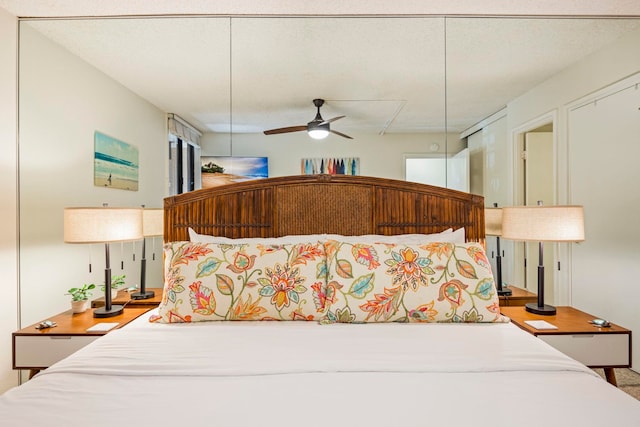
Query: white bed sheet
<point>303,373</point>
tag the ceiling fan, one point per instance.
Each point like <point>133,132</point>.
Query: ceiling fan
<point>318,128</point>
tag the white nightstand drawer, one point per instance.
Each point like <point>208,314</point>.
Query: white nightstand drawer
<point>593,349</point>
<point>45,350</point>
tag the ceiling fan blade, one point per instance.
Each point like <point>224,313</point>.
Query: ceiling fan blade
<point>333,119</point>
<point>341,134</point>
<point>285,130</point>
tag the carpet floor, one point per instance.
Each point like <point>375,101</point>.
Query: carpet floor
<point>628,381</point>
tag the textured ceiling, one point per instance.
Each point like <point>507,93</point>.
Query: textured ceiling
<point>385,74</point>
<point>40,8</point>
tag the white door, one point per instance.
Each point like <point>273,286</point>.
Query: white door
<point>539,179</point>
<point>426,170</point>
<point>458,171</point>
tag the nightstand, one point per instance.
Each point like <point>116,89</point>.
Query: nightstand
<point>124,298</point>
<point>518,297</point>
<point>593,346</point>
<point>37,349</point>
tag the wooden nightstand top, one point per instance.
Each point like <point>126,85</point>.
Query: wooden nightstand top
<point>124,297</point>
<point>77,323</point>
<point>568,320</point>
<point>594,346</point>
<point>518,297</point>
<point>37,349</point>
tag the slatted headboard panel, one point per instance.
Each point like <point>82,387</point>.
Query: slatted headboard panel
<point>316,204</point>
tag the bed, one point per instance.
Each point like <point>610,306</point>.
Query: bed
<point>191,362</point>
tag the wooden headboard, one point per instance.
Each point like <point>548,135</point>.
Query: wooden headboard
<point>316,204</point>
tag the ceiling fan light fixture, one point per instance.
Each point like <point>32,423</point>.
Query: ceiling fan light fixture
<point>318,133</point>
<point>317,129</point>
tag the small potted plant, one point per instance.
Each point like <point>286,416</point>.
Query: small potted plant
<point>80,297</point>
<point>116,282</point>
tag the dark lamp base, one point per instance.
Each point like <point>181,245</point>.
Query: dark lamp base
<point>103,312</point>
<point>505,292</point>
<point>143,295</point>
<point>545,310</point>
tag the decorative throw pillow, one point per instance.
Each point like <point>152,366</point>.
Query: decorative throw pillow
<point>431,282</point>
<point>208,281</point>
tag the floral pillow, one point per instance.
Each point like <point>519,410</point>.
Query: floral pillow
<point>208,281</point>
<point>430,282</point>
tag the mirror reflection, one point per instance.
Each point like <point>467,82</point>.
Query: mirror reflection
<point>439,89</point>
<point>515,69</point>
<point>384,75</point>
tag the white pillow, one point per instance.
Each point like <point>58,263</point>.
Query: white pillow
<point>293,239</point>
<point>449,236</point>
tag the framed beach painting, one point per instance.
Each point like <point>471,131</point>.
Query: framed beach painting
<point>115,163</point>
<point>220,170</point>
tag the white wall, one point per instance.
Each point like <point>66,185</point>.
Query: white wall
<point>63,101</point>
<point>380,156</point>
<point>616,180</point>
<point>607,264</point>
<point>8,189</point>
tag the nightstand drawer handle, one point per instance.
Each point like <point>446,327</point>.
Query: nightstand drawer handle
<point>54,337</point>
<point>583,336</point>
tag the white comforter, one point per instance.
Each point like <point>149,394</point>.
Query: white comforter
<point>302,373</point>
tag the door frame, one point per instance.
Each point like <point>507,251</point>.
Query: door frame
<point>518,138</point>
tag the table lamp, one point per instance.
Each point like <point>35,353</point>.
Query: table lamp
<point>152,225</point>
<point>543,224</point>
<point>493,227</point>
<point>103,225</point>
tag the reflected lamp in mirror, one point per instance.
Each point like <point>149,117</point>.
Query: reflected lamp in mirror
<point>493,227</point>
<point>152,226</point>
<point>103,225</point>
<point>543,224</point>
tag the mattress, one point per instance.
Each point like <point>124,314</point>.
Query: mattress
<point>305,373</point>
